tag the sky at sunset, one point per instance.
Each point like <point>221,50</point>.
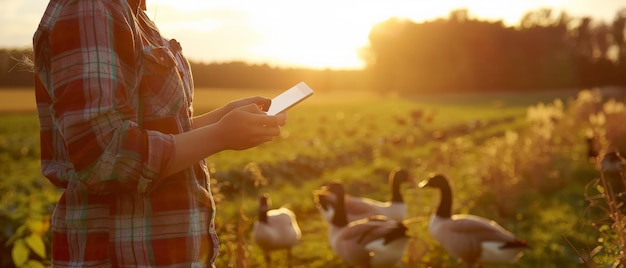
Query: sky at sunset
<point>292,33</point>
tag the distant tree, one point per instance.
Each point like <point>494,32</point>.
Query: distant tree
<point>601,41</point>
<point>388,51</point>
<point>459,15</point>
<point>583,39</point>
<point>458,53</point>
<point>539,18</point>
<point>619,26</point>
<point>238,75</point>
<point>464,54</point>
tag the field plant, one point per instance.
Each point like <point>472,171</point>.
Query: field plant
<point>606,193</point>
<point>26,198</point>
<point>528,172</point>
<point>551,145</point>
<point>525,164</point>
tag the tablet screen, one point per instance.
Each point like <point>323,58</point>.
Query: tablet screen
<point>289,98</point>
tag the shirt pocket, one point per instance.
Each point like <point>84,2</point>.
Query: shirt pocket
<point>158,61</point>
<point>163,90</point>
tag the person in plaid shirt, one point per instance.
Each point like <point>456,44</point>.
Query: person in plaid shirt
<point>114,100</point>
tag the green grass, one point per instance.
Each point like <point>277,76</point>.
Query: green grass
<point>357,139</point>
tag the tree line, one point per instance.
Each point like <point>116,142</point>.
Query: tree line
<point>458,53</point>
<point>546,50</point>
<point>15,73</point>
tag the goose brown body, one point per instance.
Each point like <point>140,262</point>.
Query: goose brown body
<point>472,238</point>
<point>276,229</point>
<point>375,241</point>
<point>358,207</point>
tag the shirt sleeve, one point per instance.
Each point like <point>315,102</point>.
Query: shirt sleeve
<point>95,86</point>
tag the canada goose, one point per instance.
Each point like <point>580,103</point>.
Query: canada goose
<point>361,207</point>
<point>376,241</point>
<point>474,239</point>
<point>276,229</point>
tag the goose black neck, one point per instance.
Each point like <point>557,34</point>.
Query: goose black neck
<point>445,203</point>
<point>340,217</point>
<point>263,216</point>
<point>263,207</point>
<point>396,196</point>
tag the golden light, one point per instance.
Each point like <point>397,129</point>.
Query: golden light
<point>319,34</point>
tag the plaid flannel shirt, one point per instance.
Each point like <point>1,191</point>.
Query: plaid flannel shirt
<point>110,93</point>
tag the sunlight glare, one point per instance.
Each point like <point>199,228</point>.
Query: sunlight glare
<point>325,34</point>
<point>320,34</point>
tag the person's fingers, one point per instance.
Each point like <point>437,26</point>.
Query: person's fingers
<point>268,131</point>
<point>259,100</point>
<point>260,118</point>
<point>281,118</point>
<point>263,103</point>
<point>270,121</point>
<point>253,108</point>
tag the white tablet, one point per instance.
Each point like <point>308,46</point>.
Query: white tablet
<point>289,98</point>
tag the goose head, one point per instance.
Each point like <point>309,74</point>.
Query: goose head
<point>264,205</point>
<point>324,201</point>
<point>435,181</point>
<point>330,201</point>
<point>440,182</point>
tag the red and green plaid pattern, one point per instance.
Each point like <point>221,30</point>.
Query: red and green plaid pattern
<point>110,93</point>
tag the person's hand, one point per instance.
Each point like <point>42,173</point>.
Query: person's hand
<point>262,102</point>
<point>248,126</point>
<point>215,115</point>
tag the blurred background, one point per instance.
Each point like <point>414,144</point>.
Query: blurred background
<point>516,101</point>
<point>403,46</point>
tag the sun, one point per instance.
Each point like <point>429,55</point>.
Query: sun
<point>313,34</point>
<point>330,33</point>
<point>324,34</point>
<point>317,38</point>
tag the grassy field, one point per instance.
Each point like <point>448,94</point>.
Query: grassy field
<point>529,176</point>
<point>20,100</point>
